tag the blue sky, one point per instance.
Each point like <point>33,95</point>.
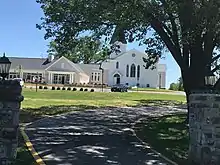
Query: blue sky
<point>19,36</point>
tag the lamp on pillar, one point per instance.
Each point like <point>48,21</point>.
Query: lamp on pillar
<point>5,65</point>
<point>210,79</point>
<point>100,68</point>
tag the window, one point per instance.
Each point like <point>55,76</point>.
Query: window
<point>98,76</point>
<point>61,79</point>
<point>92,76</point>
<point>62,65</point>
<point>95,76</point>
<point>138,71</point>
<point>55,79</point>
<point>127,71</point>
<point>117,65</point>
<point>132,71</point>
<point>28,77</point>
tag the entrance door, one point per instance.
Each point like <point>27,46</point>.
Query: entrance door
<point>63,79</point>
<point>117,79</point>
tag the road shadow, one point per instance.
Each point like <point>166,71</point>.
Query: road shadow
<point>28,115</point>
<point>166,134</point>
<point>23,155</point>
<point>100,137</point>
<point>175,104</point>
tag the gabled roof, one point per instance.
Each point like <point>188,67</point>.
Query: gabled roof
<point>87,68</point>
<point>27,63</point>
<point>127,52</point>
<point>118,35</point>
<point>42,64</point>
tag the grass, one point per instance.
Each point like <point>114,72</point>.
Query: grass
<point>152,90</point>
<point>37,105</point>
<point>23,157</point>
<point>98,99</point>
<point>167,135</point>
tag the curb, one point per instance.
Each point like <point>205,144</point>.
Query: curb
<point>146,145</point>
<point>30,147</point>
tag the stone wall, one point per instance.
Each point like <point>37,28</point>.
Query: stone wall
<point>204,128</point>
<point>10,99</point>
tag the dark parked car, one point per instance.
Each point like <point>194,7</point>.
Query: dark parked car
<point>119,88</point>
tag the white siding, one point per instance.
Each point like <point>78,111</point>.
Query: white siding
<point>147,76</point>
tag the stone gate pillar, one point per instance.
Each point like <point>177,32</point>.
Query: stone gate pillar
<point>204,128</point>
<point>10,101</point>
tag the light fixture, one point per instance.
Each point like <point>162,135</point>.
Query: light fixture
<point>5,65</point>
<point>210,79</point>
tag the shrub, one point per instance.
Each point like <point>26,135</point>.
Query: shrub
<point>74,89</point>
<point>86,90</point>
<point>58,88</point>
<point>53,88</point>
<point>63,88</point>
<point>92,90</point>
<point>69,89</point>
<point>45,88</point>
<point>81,89</point>
<point>40,87</point>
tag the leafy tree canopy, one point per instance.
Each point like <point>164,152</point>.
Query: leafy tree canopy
<point>83,50</point>
<point>188,29</point>
<point>177,86</point>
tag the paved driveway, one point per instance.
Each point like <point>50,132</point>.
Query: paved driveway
<point>94,137</point>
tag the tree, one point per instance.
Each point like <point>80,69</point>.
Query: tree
<point>188,29</point>
<point>180,84</point>
<point>173,86</point>
<point>177,86</point>
<point>85,50</point>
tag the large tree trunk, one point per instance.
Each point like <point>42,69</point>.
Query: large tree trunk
<point>193,79</point>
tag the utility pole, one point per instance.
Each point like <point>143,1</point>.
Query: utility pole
<point>100,67</point>
<point>36,81</point>
<point>159,80</point>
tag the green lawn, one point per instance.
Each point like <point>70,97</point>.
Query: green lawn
<point>152,90</point>
<point>47,102</point>
<point>167,134</point>
<point>41,98</point>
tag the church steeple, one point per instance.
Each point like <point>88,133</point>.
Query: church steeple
<point>118,36</point>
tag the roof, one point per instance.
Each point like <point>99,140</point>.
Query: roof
<point>87,68</point>
<point>118,35</point>
<point>28,63</point>
<point>127,52</point>
<point>42,64</point>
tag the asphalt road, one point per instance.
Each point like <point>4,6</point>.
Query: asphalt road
<point>94,137</point>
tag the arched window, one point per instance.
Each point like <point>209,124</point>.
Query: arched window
<point>132,71</point>
<point>138,71</point>
<point>117,65</point>
<point>127,71</point>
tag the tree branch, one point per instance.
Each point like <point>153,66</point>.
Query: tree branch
<point>216,68</point>
<point>215,58</point>
<point>158,27</point>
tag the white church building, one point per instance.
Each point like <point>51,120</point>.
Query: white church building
<point>126,67</point>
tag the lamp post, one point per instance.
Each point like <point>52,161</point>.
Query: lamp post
<point>210,80</point>
<point>100,68</point>
<point>159,80</point>
<point>5,65</point>
<point>10,103</point>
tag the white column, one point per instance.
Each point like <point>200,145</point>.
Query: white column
<point>51,78</point>
<point>71,78</point>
